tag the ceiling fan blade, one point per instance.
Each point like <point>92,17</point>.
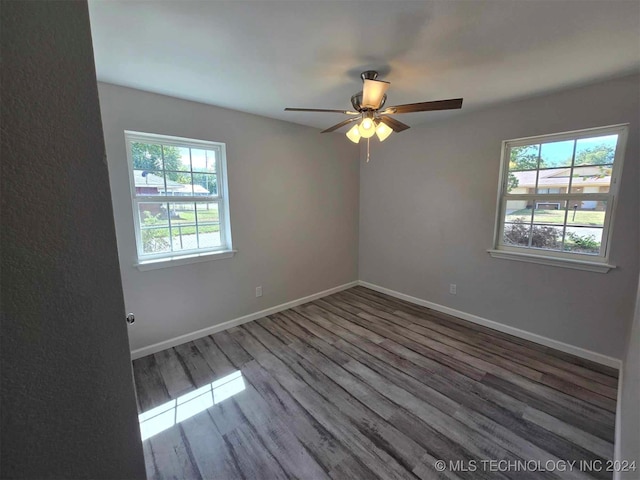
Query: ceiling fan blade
<point>346,112</point>
<point>394,124</point>
<point>450,104</point>
<point>373,92</point>
<point>341,124</point>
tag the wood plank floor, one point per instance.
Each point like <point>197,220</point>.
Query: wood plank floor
<point>360,385</point>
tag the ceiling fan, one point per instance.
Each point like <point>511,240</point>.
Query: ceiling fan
<point>376,120</point>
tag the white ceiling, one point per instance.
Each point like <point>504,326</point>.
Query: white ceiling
<point>261,56</point>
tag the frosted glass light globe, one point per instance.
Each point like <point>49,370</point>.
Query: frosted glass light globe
<point>367,128</point>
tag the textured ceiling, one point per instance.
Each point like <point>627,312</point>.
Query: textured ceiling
<point>262,56</point>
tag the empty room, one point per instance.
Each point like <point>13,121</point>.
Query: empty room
<point>309,239</point>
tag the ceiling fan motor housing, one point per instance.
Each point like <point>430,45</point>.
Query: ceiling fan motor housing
<point>369,75</point>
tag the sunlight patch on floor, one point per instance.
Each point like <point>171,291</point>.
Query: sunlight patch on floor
<point>186,406</point>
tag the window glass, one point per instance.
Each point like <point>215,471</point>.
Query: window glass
<point>548,223</point>
<point>183,179</point>
<point>154,227</point>
<point>209,224</point>
<point>557,191</point>
<point>203,160</point>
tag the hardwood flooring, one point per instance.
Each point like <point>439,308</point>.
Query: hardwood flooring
<point>360,385</point>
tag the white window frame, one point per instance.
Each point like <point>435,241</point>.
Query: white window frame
<point>147,261</point>
<point>596,263</point>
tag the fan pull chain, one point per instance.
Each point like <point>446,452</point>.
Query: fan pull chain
<point>368,150</point>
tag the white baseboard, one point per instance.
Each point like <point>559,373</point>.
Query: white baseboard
<point>548,342</point>
<point>172,342</point>
<point>617,442</point>
<point>501,327</point>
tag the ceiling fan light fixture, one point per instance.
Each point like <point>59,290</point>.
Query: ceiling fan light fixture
<point>367,128</point>
<point>368,116</point>
<point>373,92</point>
<point>383,131</point>
<point>354,134</point>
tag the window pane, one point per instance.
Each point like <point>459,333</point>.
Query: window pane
<point>596,150</point>
<point>553,180</point>
<point>517,223</point>
<point>154,227</point>
<point>183,226</point>
<point>208,212</point>
<point>146,156</point>
<point>556,154</point>
<point>179,184</point>
<point>517,233</point>
<point>583,240</point>
<point>208,225</point>
<point>518,210</point>
<point>523,162</point>
<point>148,182</point>
<point>546,237</point>
<point>176,159</point>
<point>524,158</point>
<point>591,179</point>
<point>548,221</point>
<point>549,212</point>
<point>205,184</point>
<point>587,213</point>
<point>203,160</point>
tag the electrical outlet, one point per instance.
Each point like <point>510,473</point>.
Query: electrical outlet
<point>259,291</point>
<point>453,289</point>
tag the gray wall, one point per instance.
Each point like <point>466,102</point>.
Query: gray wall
<point>68,404</point>
<point>427,213</point>
<point>294,214</point>
<point>629,421</point>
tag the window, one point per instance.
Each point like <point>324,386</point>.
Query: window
<point>557,197</point>
<point>179,192</point>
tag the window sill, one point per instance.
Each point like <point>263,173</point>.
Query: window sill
<point>552,261</point>
<point>183,260</point>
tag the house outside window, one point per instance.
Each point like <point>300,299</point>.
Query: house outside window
<point>557,197</point>
<point>179,195</point>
